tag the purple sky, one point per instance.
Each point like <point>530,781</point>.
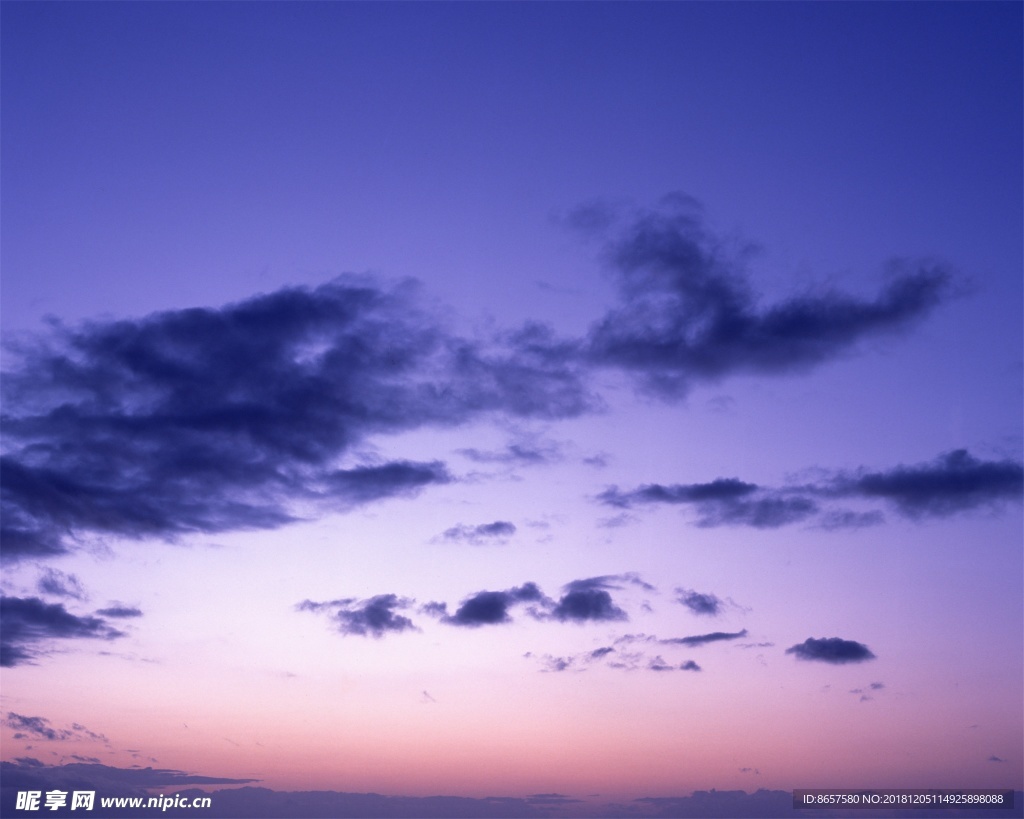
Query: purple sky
<point>613,401</point>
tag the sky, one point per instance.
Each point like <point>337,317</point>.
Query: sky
<point>579,405</point>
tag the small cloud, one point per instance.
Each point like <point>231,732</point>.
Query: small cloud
<point>995,758</point>
<point>831,650</point>
<point>689,665</point>
<point>59,584</point>
<point>587,604</point>
<point>487,608</point>
<point>658,664</point>
<point>374,617</point>
<point>698,603</point>
<point>703,639</point>
<point>120,611</point>
<point>40,728</point>
<point>497,532</point>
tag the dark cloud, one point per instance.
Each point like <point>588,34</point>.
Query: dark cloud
<point>60,584</point>
<point>719,490</point>
<point>120,611</point>
<point>29,624</point>
<point>698,603</point>
<point>40,728</point>
<point>831,650</point>
<point>722,502</point>
<point>209,420</point>
<point>497,531</point>
<point>702,639</point>
<point>374,617</point>
<point>589,598</point>
<point>689,665</point>
<point>587,604</point>
<point>609,581</point>
<point>689,314</point>
<point>37,727</point>
<point>953,482</point>
<point>487,608</point>
<point>350,487</point>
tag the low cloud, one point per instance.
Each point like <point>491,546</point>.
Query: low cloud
<point>30,625</point>
<point>832,650</point>
<point>590,598</point>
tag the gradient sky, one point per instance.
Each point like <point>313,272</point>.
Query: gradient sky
<point>609,400</point>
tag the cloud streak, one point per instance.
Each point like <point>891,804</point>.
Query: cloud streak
<point>952,483</point>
